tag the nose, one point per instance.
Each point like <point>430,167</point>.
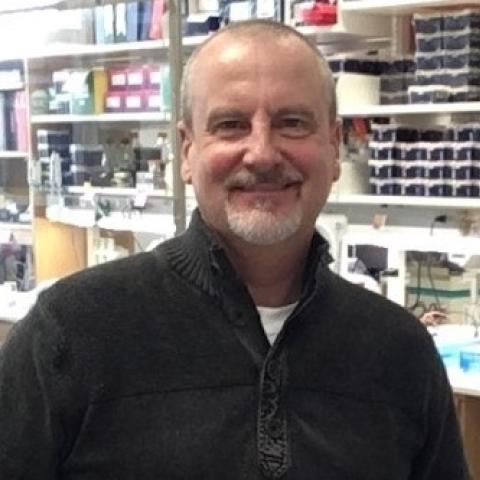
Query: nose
<point>261,153</point>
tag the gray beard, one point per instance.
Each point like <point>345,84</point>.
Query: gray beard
<point>260,226</point>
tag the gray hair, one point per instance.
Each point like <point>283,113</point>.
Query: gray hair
<point>255,27</point>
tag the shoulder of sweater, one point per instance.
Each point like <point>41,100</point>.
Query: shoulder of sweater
<point>110,285</point>
<point>376,315</point>
<point>136,269</point>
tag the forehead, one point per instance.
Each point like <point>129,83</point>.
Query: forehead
<point>237,67</point>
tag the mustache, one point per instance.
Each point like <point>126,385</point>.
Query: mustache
<point>246,179</point>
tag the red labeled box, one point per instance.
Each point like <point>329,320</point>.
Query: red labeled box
<point>117,78</point>
<point>137,77</point>
<point>115,101</point>
<point>153,100</point>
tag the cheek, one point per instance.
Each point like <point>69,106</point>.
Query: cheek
<point>218,162</point>
<point>313,161</point>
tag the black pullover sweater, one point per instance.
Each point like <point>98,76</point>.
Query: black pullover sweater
<point>157,367</point>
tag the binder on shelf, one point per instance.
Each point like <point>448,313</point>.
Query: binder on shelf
<point>100,88</point>
<point>133,21</point>
<point>156,24</point>
<point>20,119</point>
<point>3,132</point>
<point>120,22</point>
<point>145,14</point>
<point>10,124</point>
<point>108,23</point>
<point>99,25</point>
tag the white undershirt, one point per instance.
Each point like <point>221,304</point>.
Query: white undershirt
<point>273,319</point>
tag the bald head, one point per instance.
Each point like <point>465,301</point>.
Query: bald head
<point>254,30</point>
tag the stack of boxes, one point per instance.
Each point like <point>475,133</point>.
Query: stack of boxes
<point>398,74</point>
<point>395,75</point>
<point>447,57</point>
<point>77,91</point>
<point>86,165</point>
<point>138,89</point>
<point>134,88</point>
<point>430,162</point>
<point>63,163</point>
<point>54,156</point>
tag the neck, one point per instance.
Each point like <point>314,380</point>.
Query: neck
<point>273,274</point>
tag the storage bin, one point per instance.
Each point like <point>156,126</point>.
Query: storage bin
<point>428,23</point>
<point>461,19</point>
<point>429,62</point>
<point>427,43</point>
<point>465,58</point>
<point>86,155</point>
<point>467,93</point>
<point>467,38</point>
<point>429,94</point>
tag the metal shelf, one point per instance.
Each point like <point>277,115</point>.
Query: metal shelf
<point>21,232</point>
<point>404,7</point>
<point>113,191</point>
<point>11,87</point>
<point>435,202</point>
<point>409,109</point>
<point>101,118</point>
<point>10,154</point>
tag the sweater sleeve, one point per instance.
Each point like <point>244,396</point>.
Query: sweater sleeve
<point>39,408</point>
<point>442,456</point>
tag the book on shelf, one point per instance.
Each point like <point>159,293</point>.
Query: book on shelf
<point>132,21</point>
<point>13,121</point>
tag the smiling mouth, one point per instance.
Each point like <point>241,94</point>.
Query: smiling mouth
<point>265,187</point>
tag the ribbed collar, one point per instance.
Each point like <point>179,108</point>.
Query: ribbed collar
<point>198,257</point>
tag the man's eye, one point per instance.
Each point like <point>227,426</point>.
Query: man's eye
<point>293,122</point>
<point>231,127</point>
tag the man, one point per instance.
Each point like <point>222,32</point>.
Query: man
<point>232,351</point>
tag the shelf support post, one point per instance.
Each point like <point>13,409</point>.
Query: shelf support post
<point>176,64</point>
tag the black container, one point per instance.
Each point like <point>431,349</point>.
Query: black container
<point>406,134</point>
<point>389,188</point>
<point>468,190</point>
<point>428,23</point>
<point>430,62</point>
<point>462,171</point>
<point>429,94</point>
<point>45,150</point>
<point>462,79</point>
<point>392,83</point>
<point>468,132</point>
<point>430,43</point>
<point>442,190</point>
<point>415,189</point>
<point>460,41</point>
<point>461,20</point>
<point>465,94</point>
<point>414,171</point>
<point>90,156</point>
<point>437,170</point>
<point>54,137</point>
<point>432,135</point>
<point>462,59</point>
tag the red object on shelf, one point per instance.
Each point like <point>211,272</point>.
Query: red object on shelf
<point>320,14</point>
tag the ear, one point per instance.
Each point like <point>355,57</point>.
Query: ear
<point>335,139</point>
<point>186,139</point>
